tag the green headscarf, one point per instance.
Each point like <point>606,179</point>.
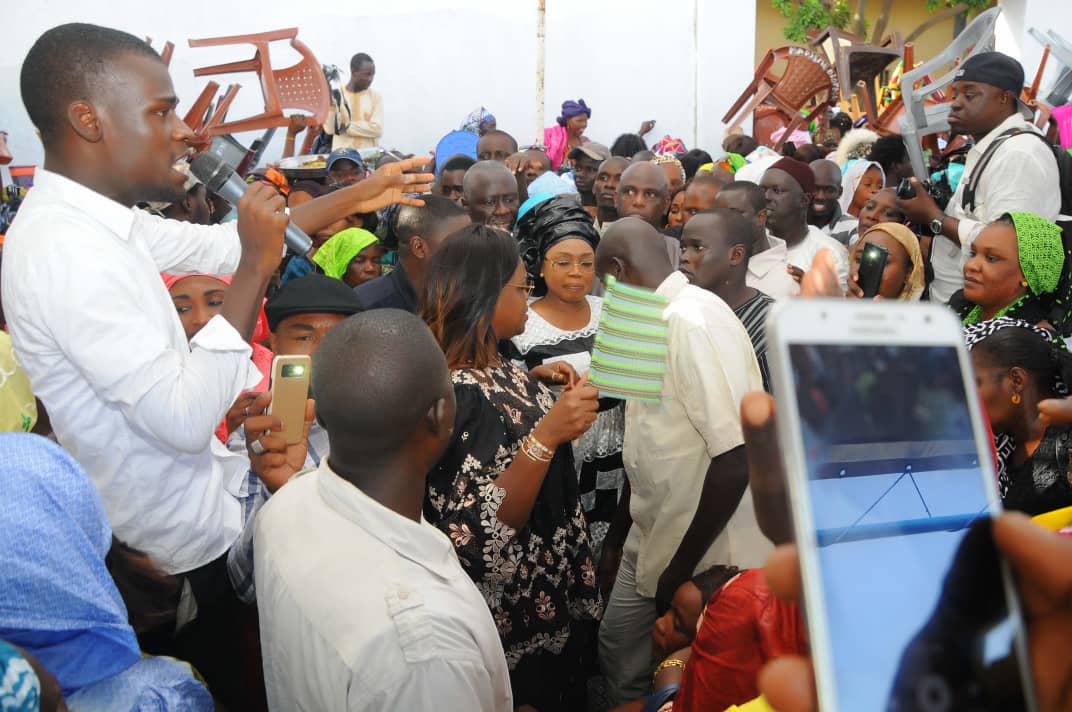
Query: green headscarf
<point>1042,260</point>
<point>334,256</point>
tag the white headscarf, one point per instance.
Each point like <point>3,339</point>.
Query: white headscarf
<point>850,181</point>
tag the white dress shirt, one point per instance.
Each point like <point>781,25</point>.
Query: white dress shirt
<point>670,444</point>
<point>803,253</point>
<point>768,271</point>
<point>1021,176</point>
<point>99,337</point>
<point>364,609</point>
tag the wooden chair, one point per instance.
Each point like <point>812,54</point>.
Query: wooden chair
<point>165,54</point>
<point>807,77</point>
<point>301,86</point>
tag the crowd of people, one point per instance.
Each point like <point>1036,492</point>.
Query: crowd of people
<point>464,521</point>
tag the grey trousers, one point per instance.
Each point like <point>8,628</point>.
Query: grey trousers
<point>625,634</point>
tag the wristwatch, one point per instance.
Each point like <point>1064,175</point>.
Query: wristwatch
<point>936,225</point>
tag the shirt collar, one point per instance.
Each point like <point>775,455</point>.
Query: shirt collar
<point>1016,121</point>
<point>673,284</point>
<point>421,543</point>
<point>117,218</point>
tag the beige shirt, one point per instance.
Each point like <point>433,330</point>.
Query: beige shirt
<point>768,271</point>
<point>670,444</point>
<point>363,609</point>
<point>362,115</point>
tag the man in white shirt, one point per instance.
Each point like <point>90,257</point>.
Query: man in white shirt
<point>789,186</point>
<point>1020,175</point>
<point>768,267</point>
<point>684,458</point>
<point>355,119</point>
<point>363,604</point>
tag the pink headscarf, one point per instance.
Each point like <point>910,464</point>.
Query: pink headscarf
<point>260,331</point>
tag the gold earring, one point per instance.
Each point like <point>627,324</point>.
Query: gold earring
<point>1016,399</point>
<point>1023,282</point>
<point>541,275</point>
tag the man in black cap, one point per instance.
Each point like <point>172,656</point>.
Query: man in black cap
<point>1019,174</point>
<point>586,161</point>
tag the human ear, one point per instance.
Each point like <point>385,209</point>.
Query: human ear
<point>440,417</point>
<point>737,255</point>
<point>84,120</point>
<point>418,247</point>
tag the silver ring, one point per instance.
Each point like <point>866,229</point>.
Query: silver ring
<point>257,448</point>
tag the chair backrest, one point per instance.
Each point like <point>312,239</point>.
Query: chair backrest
<point>806,75</point>
<point>303,86</point>
<point>977,37</point>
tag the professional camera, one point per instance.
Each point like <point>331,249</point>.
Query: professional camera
<point>940,190</point>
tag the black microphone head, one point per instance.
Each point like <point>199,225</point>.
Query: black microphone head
<point>211,171</point>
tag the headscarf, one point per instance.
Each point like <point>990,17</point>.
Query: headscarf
<point>476,120</point>
<point>334,256</point>
<point>548,222</point>
<point>672,160</point>
<point>551,184</point>
<point>668,145</point>
<point>572,108</point>
<point>850,181</point>
<point>1041,253</point>
<point>914,285</point>
<point>59,603</point>
<point>20,690</point>
<point>260,330</point>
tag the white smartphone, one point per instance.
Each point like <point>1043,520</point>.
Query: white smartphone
<point>290,391</point>
<point>892,485</point>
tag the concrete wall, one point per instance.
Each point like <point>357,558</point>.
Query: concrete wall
<point>438,61</point>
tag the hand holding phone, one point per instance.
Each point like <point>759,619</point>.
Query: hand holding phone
<point>892,493</point>
<point>873,260</point>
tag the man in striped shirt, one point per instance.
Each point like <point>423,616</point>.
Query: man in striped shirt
<point>714,256</point>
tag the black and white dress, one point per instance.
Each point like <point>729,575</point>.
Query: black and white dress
<point>598,453</point>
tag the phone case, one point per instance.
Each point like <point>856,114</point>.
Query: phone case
<point>290,390</point>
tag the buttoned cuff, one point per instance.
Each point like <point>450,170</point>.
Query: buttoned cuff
<point>220,336</point>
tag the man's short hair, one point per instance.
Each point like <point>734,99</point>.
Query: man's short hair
<point>500,132</point>
<point>420,221</point>
<point>756,195</point>
<point>67,63</point>
<point>358,59</point>
<point>458,162</point>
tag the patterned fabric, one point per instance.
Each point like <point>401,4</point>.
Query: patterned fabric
<point>476,120</point>
<point>20,690</point>
<point>671,159</point>
<point>597,455</point>
<point>1041,253</point>
<point>18,408</point>
<point>753,314</point>
<point>1041,483</point>
<point>536,580</point>
<point>629,356</point>
<point>668,145</point>
<point>1004,445</point>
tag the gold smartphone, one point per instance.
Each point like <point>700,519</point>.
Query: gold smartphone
<point>290,390</point>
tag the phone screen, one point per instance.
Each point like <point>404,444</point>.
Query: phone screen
<point>917,616</point>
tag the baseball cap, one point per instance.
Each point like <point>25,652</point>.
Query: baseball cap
<point>998,70</point>
<point>595,151</point>
<point>350,154</point>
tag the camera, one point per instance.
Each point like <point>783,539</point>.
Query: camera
<point>940,190</point>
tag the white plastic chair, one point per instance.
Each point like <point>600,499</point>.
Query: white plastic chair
<point>921,120</point>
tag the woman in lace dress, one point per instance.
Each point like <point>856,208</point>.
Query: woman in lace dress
<point>558,243</point>
<point>505,489</point>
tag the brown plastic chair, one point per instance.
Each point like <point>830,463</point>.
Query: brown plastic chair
<point>165,54</point>
<point>301,86</point>
<point>854,58</point>
<point>807,76</point>
<point>196,116</point>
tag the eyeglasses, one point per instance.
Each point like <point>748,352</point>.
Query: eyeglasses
<point>563,266</point>
<point>528,286</point>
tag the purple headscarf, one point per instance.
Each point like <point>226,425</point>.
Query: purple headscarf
<point>573,108</point>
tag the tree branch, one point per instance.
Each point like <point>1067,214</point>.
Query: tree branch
<point>881,22</point>
<point>859,27</point>
<point>935,19</point>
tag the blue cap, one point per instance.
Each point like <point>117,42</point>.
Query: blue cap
<point>350,154</point>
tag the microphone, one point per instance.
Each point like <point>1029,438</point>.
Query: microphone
<point>221,179</point>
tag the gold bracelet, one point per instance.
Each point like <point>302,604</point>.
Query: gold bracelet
<point>668,663</point>
<point>530,454</point>
<point>538,446</point>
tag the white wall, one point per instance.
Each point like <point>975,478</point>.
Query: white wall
<point>1018,16</point>
<point>436,61</point>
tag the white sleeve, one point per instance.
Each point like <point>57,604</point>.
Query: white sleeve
<point>183,248</point>
<point>434,684</point>
<point>128,358</point>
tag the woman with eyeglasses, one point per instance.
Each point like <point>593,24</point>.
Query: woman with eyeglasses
<point>558,242</point>
<point>505,490</point>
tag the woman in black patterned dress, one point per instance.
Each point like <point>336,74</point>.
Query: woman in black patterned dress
<point>505,490</point>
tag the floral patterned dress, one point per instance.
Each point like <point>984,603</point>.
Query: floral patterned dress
<point>541,578</point>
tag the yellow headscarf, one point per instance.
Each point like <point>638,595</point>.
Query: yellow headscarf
<point>913,288</point>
